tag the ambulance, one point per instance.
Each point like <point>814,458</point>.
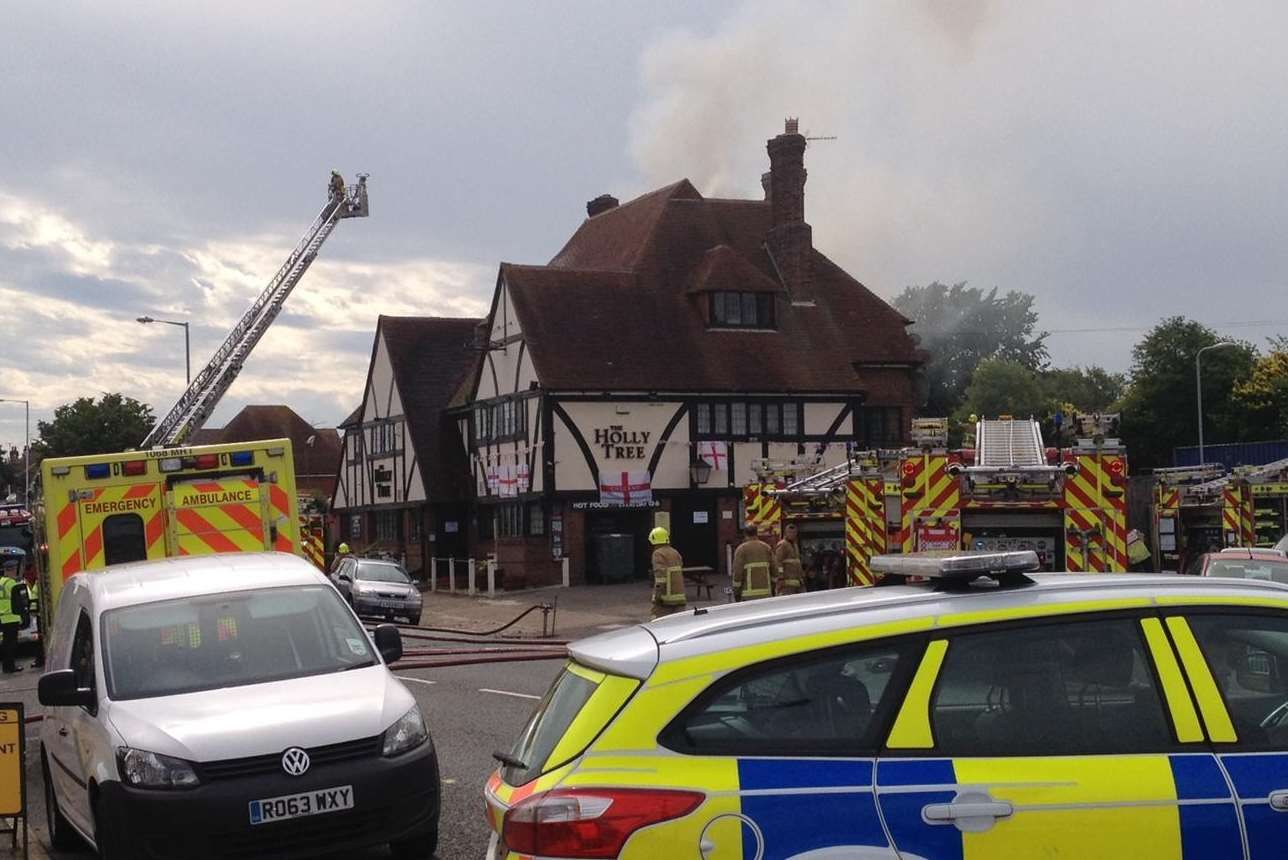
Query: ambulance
<point>106,509</point>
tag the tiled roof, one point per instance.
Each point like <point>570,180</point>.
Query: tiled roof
<point>317,450</point>
<point>430,357</point>
<point>622,307</point>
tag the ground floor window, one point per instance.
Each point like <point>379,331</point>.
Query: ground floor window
<point>388,526</point>
<point>536,519</point>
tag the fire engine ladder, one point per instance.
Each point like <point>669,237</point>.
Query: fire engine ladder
<point>189,414</point>
<point>820,482</point>
<point>1009,444</point>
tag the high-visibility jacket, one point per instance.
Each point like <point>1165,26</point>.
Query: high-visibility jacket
<point>752,551</point>
<point>787,555</point>
<point>8,615</point>
<point>668,577</point>
<point>33,597</point>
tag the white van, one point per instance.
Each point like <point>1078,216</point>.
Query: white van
<point>229,706</point>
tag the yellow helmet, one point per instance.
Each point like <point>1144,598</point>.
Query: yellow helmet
<point>344,547</point>
<point>659,536</point>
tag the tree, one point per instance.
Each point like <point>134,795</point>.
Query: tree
<point>961,326</point>
<point>1001,387</point>
<point>111,424</point>
<point>1159,410</point>
<point>1091,389</point>
<point>1264,394</point>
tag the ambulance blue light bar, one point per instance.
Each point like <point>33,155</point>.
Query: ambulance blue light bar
<point>97,471</point>
<point>241,458</point>
<point>960,567</point>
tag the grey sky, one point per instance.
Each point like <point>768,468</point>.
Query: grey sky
<point>1121,161</point>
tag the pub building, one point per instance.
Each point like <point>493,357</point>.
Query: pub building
<point>635,378</point>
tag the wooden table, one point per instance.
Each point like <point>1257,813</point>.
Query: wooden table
<point>697,577</point>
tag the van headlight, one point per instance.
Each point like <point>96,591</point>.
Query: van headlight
<point>407,733</point>
<point>143,769</point>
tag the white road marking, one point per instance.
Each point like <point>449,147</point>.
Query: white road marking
<point>415,680</point>
<point>508,693</point>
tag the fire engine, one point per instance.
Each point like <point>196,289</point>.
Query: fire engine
<point>1199,509</point>
<point>1007,492</point>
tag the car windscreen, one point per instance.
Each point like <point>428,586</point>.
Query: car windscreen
<point>229,640</point>
<point>377,572</point>
<point>1250,568</point>
<point>19,536</point>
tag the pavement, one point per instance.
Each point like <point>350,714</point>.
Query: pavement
<point>472,710</point>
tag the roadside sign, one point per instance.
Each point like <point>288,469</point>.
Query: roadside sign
<point>13,778</point>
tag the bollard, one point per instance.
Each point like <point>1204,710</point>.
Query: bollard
<point>433,574</point>
<point>491,578</point>
<point>469,582</point>
<point>566,573</point>
<point>451,574</point>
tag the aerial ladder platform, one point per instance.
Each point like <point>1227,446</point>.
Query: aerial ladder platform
<point>196,404</point>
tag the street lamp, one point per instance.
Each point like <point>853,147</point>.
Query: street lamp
<point>187,350</point>
<point>1198,385</point>
<point>26,454</point>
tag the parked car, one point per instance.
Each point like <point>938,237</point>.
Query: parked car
<point>229,705</point>
<point>378,588</point>
<point>1015,715</point>
<point>1241,562</point>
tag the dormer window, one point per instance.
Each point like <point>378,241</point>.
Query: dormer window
<point>742,310</point>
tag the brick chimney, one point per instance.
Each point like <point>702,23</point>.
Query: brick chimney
<point>790,240</point>
<point>602,203</point>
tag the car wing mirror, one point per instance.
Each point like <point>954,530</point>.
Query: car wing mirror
<point>343,577</point>
<point>389,642</point>
<point>59,689</point>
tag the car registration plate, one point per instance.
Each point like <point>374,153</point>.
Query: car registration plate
<point>390,604</point>
<point>318,802</point>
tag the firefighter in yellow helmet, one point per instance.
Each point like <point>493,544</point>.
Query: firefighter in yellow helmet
<point>668,575</point>
<point>787,560</point>
<point>341,553</point>
<point>753,567</point>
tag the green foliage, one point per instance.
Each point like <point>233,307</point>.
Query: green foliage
<point>962,326</point>
<point>1264,394</point>
<point>1000,387</point>
<point>1091,389</point>
<point>85,426</point>
<point>1160,407</point>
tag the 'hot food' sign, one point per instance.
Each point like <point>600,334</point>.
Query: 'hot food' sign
<point>621,444</point>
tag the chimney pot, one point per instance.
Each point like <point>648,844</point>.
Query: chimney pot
<point>602,203</point>
<point>791,125</point>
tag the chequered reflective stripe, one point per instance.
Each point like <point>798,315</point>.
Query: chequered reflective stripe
<point>864,527</point>
<point>230,527</point>
<point>313,550</point>
<point>928,491</point>
<point>93,540</point>
<point>280,510</point>
<point>763,510</point>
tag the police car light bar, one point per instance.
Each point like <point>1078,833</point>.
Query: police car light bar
<point>959,567</point>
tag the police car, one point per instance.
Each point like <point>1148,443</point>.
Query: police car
<point>981,712</point>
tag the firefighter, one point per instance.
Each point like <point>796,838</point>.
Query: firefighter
<point>341,553</point>
<point>337,185</point>
<point>668,575</point>
<point>11,595</point>
<point>787,561</point>
<point>753,567</point>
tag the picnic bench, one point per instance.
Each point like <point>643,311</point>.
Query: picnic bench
<point>697,577</point>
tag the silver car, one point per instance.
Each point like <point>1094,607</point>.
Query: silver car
<point>378,588</point>
<point>229,705</point>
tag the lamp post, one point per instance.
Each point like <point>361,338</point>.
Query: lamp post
<point>187,350</point>
<point>26,453</point>
<point>1198,385</point>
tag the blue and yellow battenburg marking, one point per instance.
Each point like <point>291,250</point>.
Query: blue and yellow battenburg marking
<point>803,805</point>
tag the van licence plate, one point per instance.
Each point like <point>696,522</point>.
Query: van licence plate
<point>318,802</point>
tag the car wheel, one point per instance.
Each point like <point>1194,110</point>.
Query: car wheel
<point>112,844</point>
<point>420,848</point>
<point>61,835</point>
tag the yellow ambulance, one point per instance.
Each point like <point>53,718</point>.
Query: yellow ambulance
<point>106,509</point>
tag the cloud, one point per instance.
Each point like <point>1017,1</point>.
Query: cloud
<point>1122,162</point>
<point>74,296</point>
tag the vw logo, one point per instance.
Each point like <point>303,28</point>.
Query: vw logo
<point>295,761</point>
